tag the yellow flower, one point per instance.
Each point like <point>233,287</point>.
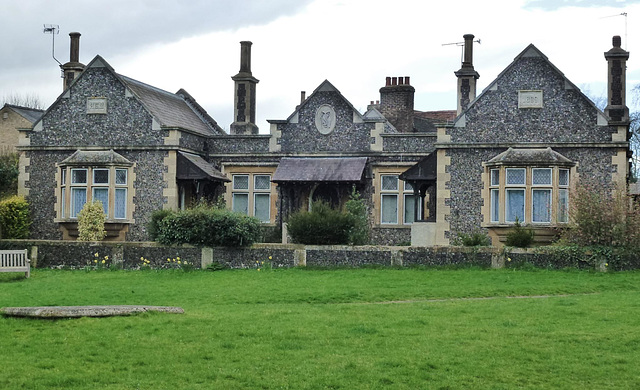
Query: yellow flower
<point>262,262</point>
<point>96,254</point>
<point>102,261</point>
<point>168,260</point>
<point>178,257</point>
<point>141,258</point>
<point>258,269</point>
<point>95,261</point>
<point>606,264</point>
<point>106,257</point>
<point>270,257</point>
<point>508,258</point>
<point>179,262</point>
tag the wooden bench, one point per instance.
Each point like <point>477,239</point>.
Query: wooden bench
<point>15,261</point>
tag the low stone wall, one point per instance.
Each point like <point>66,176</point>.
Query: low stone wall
<point>131,255</point>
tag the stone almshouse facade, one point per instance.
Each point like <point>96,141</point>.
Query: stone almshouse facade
<point>510,154</point>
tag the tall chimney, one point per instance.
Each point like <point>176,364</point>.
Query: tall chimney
<point>396,103</point>
<point>617,110</point>
<point>73,68</point>
<point>467,76</point>
<point>244,110</point>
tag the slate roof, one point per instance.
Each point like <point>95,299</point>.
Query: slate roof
<point>530,156</point>
<point>172,110</point>
<point>203,169</point>
<point>30,114</point>
<point>321,169</point>
<point>107,157</point>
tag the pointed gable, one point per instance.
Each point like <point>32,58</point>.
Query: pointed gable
<point>326,122</point>
<point>530,101</point>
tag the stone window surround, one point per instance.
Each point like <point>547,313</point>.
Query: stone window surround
<point>404,194</point>
<point>499,189</point>
<point>65,188</point>
<point>251,172</point>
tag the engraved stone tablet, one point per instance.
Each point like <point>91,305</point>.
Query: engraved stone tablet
<point>96,105</point>
<point>325,119</point>
<point>529,99</point>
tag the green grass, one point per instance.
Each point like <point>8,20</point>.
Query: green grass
<point>327,329</point>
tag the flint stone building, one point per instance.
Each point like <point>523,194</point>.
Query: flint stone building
<point>510,154</point>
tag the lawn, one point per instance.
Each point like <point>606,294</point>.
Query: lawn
<point>327,329</point>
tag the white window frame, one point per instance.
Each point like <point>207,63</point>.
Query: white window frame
<point>251,193</point>
<point>389,193</point>
<point>69,186</point>
<point>262,192</point>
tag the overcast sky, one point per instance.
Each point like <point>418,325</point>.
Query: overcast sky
<point>297,44</point>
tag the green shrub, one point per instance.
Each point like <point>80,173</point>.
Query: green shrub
<point>599,216</point>
<point>321,226</point>
<point>208,226</point>
<point>15,219</point>
<point>153,226</point>
<point>519,236</point>
<point>91,222</point>
<point>474,239</point>
<point>8,174</point>
<point>356,206</point>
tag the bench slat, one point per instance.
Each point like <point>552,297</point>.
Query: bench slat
<point>15,261</point>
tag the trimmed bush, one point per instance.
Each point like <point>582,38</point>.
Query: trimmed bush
<point>91,222</point>
<point>519,237</point>
<point>208,226</point>
<point>15,219</point>
<point>153,226</point>
<point>321,226</point>
<point>474,239</point>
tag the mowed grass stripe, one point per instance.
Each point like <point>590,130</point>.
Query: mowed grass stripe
<point>250,330</point>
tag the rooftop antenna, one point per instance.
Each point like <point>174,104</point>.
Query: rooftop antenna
<point>461,44</point>
<point>625,25</point>
<point>54,30</point>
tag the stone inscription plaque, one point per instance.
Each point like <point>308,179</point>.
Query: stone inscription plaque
<point>96,105</point>
<point>529,99</point>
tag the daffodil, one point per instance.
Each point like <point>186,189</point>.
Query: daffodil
<point>270,257</point>
<point>103,261</point>
<point>179,262</point>
<point>96,254</point>
<point>106,257</point>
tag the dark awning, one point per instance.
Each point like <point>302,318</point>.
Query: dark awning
<point>423,170</point>
<point>330,169</point>
<point>194,167</point>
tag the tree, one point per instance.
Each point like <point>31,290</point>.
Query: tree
<point>29,100</point>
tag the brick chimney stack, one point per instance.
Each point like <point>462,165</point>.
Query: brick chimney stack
<point>73,68</point>
<point>617,110</point>
<point>467,76</point>
<point>244,110</point>
<point>396,103</point>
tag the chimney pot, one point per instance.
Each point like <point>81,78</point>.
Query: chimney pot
<point>394,81</point>
<point>245,56</point>
<point>406,80</point>
<point>388,81</point>
<point>617,41</point>
<point>303,96</point>
<point>74,50</point>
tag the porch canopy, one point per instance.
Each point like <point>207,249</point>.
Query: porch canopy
<point>320,169</point>
<point>193,167</point>
<point>423,178</point>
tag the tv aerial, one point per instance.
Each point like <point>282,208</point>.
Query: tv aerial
<point>461,44</point>
<point>54,30</point>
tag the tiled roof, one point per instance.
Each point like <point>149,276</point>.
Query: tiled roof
<point>172,110</point>
<point>437,116</point>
